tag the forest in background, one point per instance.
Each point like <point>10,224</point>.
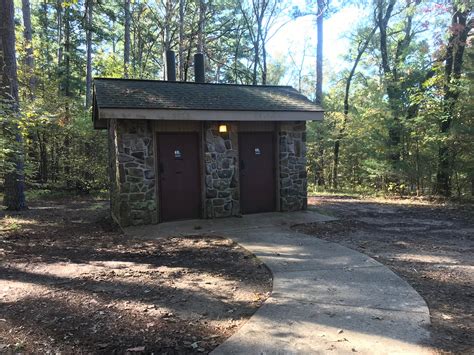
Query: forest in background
<point>399,116</point>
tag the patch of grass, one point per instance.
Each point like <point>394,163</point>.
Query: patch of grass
<point>96,207</point>
<point>56,194</point>
<point>19,347</point>
<point>41,194</point>
<point>349,192</point>
<point>368,192</point>
<point>9,224</point>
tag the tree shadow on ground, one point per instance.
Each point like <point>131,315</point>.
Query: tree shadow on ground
<point>77,327</point>
<point>74,283</point>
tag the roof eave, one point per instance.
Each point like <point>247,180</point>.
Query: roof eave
<point>207,115</point>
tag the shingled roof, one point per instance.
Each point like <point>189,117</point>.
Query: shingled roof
<point>156,94</point>
<point>114,97</point>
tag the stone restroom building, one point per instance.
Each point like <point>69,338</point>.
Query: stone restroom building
<point>184,150</point>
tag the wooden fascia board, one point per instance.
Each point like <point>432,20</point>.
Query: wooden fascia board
<point>208,115</point>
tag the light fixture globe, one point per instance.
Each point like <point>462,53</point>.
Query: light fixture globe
<point>222,128</point>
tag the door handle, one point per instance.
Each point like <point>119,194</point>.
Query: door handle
<point>242,165</point>
<point>161,169</point>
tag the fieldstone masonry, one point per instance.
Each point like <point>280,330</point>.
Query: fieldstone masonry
<point>132,170</point>
<point>293,176</point>
<point>221,175</point>
<point>113,170</point>
<point>134,197</point>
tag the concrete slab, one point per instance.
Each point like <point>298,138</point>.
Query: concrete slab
<point>326,298</point>
<point>304,328</point>
<point>254,221</point>
<point>285,251</point>
<point>371,287</point>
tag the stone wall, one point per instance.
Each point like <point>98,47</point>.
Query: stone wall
<point>133,197</point>
<point>114,187</point>
<point>293,176</point>
<point>221,172</point>
<point>132,171</point>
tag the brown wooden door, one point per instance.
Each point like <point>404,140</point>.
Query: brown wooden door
<point>178,173</point>
<point>257,172</point>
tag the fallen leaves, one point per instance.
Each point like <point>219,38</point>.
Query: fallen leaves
<point>433,248</point>
<point>136,349</point>
<point>102,292</point>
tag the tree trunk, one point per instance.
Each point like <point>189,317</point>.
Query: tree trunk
<point>187,61</point>
<point>340,135</point>
<point>254,35</point>
<point>202,17</point>
<point>133,51</point>
<point>321,181</point>
<point>418,167</point>
<point>14,198</point>
<point>59,16</point>
<point>167,34</point>
<point>138,55</point>
<point>236,56</point>
<point>256,44</point>
<point>181,40</point>
<point>67,61</point>
<point>218,73</point>
<point>472,185</point>
<point>43,168</point>
<point>453,69</point>
<point>256,60</point>
<point>264,60</point>
<point>319,53</point>
<point>263,37</point>
<point>29,60</point>
<point>394,129</point>
<point>44,35</point>
<point>67,90</point>
<point>89,10</point>
<point>126,40</point>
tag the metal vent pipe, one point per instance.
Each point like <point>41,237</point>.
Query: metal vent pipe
<point>170,66</point>
<point>199,68</point>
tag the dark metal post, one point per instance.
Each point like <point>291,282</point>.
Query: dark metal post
<point>199,68</point>
<point>170,66</point>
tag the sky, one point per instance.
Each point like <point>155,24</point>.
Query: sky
<point>291,38</point>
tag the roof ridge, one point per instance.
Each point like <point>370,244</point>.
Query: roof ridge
<point>194,83</point>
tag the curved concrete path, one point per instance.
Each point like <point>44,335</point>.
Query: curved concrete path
<point>326,298</point>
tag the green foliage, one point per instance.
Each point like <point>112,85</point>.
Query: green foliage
<point>63,153</point>
<point>420,104</point>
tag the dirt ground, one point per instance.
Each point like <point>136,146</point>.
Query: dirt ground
<point>70,282</point>
<point>430,245</point>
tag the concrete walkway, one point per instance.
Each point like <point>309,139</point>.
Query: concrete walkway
<point>326,298</point>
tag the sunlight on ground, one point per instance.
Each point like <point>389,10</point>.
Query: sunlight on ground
<point>10,223</point>
<point>14,290</point>
<point>68,293</point>
<point>430,259</point>
<point>383,200</point>
<point>331,335</point>
<point>103,276</point>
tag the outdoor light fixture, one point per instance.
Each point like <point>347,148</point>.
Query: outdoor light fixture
<point>222,128</point>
